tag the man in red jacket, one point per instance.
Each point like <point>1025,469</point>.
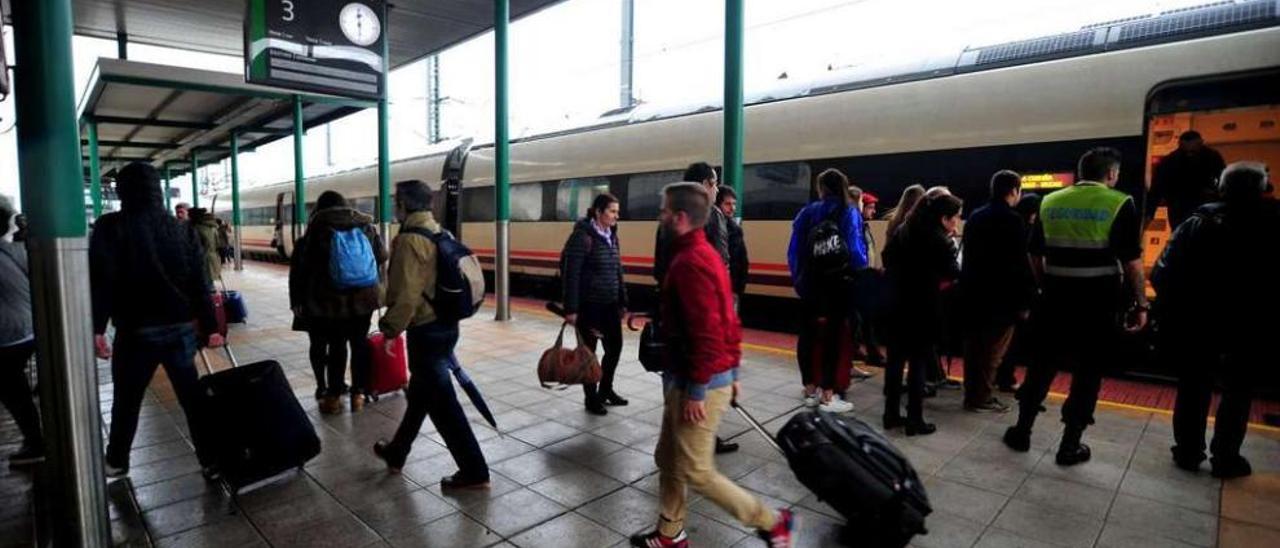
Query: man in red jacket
<point>704,337</point>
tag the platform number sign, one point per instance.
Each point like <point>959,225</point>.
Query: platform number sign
<point>326,46</point>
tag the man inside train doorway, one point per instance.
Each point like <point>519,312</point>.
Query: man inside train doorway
<point>1186,179</point>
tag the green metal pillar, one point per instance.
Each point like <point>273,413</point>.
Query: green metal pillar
<point>195,178</point>
<point>95,171</point>
<point>299,187</point>
<point>73,504</point>
<point>168,179</point>
<point>235,199</point>
<point>733,115</point>
<point>501,162</point>
<point>385,213</point>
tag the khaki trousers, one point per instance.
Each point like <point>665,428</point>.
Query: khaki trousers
<point>984,349</point>
<point>686,458</point>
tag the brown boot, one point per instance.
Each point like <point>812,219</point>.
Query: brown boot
<point>357,402</point>
<point>331,405</point>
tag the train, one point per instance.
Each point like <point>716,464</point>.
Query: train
<point>1033,106</point>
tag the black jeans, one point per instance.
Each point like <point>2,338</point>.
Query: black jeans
<point>605,319</point>
<point>920,355</point>
<point>1078,332</point>
<point>329,342</point>
<point>15,392</point>
<point>430,393</point>
<point>137,352</point>
<point>1197,370</point>
<point>866,317</point>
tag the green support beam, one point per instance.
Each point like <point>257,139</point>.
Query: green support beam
<point>127,121</point>
<point>733,107</point>
<point>501,161</point>
<point>132,144</point>
<point>235,198</point>
<point>195,178</point>
<point>384,148</point>
<point>71,484</point>
<point>95,171</point>
<point>299,183</point>
<point>168,178</point>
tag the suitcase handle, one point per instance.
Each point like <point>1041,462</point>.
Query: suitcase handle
<point>755,424</point>
<point>226,347</point>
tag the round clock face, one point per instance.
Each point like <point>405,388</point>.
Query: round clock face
<point>359,24</point>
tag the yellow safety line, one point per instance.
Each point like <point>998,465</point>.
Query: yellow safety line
<point>1056,395</point>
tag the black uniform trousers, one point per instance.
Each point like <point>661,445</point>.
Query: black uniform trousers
<point>1077,327</point>
<point>1198,368</point>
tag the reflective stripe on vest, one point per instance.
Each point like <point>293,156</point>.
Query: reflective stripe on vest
<point>1077,223</point>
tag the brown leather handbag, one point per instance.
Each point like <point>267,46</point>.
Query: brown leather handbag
<point>560,367</point>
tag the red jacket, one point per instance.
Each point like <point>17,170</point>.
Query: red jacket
<point>697,311</point>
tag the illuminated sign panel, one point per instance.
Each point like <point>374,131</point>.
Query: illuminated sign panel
<point>1047,181</point>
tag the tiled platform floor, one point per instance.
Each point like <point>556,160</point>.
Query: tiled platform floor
<point>567,479</point>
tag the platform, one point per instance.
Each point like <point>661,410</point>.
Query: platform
<point>564,478</point>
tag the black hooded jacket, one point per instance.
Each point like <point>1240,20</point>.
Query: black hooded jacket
<point>146,268</point>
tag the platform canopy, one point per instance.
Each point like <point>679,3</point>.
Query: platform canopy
<point>416,28</point>
<point>159,113</point>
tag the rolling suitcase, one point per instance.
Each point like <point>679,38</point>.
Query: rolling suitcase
<point>257,428</point>
<point>236,311</point>
<point>856,471</point>
<point>219,314</point>
<point>387,373</point>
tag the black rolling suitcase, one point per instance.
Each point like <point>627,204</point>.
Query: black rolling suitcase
<point>856,471</point>
<point>257,428</point>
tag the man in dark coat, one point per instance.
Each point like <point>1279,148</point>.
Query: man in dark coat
<point>739,263</point>
<point>997,286</point>
<point>1218,317</point>
<point>1186,178</point>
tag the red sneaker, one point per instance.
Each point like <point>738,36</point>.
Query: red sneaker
<point>656,540</point>
<point>783,534</point>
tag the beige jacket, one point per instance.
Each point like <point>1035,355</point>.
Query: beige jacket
<point>411,278</point>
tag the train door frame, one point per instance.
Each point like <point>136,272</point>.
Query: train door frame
<point>455,165</point>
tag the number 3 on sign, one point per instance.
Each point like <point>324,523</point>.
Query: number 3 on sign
<point>287,7</point>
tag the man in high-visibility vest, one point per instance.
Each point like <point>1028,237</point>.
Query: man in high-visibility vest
<point>1087,253</point>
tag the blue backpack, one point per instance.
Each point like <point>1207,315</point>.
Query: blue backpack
<point>459,277</point>
<point>351,262</point>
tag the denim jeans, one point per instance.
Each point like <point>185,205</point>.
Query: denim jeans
<point>431,393</point>
<point>137,352</point>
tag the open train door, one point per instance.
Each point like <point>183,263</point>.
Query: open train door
<point>451,177</point>
<point>286,230</point>
<point>1237,114</point>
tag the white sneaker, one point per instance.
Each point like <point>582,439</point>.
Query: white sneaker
<point>836,405</point>
<point>811,400</point>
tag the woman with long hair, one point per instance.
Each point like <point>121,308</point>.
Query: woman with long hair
<point>595,297</point>
<point>336,318</point>
<point>823,278</point>
<point>906,202</point>
<point>919,262</point>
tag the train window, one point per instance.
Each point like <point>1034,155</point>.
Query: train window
<point>573,196</point>
<point>477,205</point>
<point>775,192</point>
<point>365,205</point>
<point>526,202</point>
<point>643,194</point>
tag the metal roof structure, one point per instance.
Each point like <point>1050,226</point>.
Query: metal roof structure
<point>159,113</point>
<point>416,28</point>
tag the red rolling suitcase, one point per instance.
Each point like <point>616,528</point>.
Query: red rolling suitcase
<point>387,373</point>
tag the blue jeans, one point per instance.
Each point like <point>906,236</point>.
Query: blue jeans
<point>137,352</point>
<point>430,393</point>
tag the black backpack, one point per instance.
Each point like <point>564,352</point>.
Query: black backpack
<point>459,277</point>
<point>827,252</point>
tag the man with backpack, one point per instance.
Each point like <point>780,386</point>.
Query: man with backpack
<point>334,287</point>
<point>1218,316</point>
<point>425,302</point>
<point>826,250</point>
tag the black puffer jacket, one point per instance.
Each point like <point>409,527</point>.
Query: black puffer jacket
<point>592,269</point>
<point>311,290</point>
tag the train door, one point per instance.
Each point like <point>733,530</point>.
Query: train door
<point>286,231</point>
<point>1237,115</point>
